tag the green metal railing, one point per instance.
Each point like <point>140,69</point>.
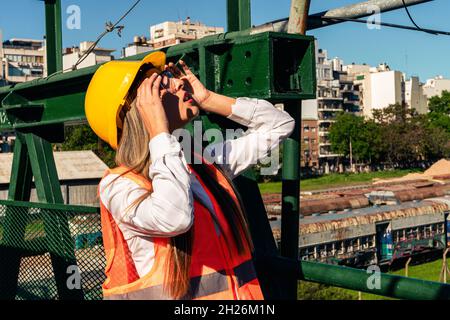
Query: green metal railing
<point>37,233</point>
<point>50,241</point>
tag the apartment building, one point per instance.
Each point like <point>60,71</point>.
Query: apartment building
<point>328,104</point>
<point>73,54</point>
<point>170,33</point>
<point>380,87</point>
<point>139,45</point>
<point>435,87</point>
<point>21,60</point>
<point>415,97</point>
<point>309,135</point>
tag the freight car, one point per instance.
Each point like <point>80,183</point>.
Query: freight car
<point>383,235</point>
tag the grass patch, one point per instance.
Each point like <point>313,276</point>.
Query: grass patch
<point>336,180</point>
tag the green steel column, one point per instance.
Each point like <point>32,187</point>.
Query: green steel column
<point>290,195</point>
<point>53,27</point>
<point>59,241</point>
<point>15,221</point>
<point>238,15</point>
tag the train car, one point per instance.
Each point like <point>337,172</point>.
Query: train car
<point>383,235</point>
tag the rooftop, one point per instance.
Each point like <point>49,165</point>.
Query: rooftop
<point>71,165</point>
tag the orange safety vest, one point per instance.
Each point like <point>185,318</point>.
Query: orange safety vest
<point>218,272</point>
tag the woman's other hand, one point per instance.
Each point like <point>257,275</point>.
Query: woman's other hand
<point>207,100</point>
<point>150,107</point>
<point>198,90</point>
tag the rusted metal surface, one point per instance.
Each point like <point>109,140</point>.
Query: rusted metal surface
<point>298,18</point>
<point>360,198</point>
<point>358,10</point>
<point>422,193</point>
<point>380,214</point>
<point>319,206</point>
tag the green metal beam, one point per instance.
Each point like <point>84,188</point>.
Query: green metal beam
<point>51,206</point>
<point>53,37</point>
<point>361,280</point>
<point>239,15</point>
<point>269,66</point>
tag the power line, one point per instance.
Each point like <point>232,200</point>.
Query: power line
<point>110,27</point>
<point>385,24</point>
<point>414,23</point>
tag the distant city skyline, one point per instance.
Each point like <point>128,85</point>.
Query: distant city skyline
<point>415,53</point>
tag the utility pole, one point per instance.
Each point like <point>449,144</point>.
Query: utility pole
<point>299,16</point>
<point>290,208</point>
<point>351,155</point>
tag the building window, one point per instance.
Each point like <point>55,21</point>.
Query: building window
<point>306,129</point>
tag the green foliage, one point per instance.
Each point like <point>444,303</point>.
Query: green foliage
<point>363,136</point>
<point>83,138</point>
<point>440,105</point>
<point>396,135</point>
<point>409,137</point>
<point>439,114</point>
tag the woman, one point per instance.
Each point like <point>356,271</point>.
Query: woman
<point>173,230</point>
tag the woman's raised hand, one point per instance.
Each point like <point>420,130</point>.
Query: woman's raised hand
<point>150,107</point>
<point>198,90</point>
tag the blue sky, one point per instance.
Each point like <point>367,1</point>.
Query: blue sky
<point>412,52</point>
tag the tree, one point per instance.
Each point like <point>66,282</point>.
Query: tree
<point>363,136</point>
<point>83,138</point>
<point>408,137</point>
<point>439,114</point>
<point>440,104</point>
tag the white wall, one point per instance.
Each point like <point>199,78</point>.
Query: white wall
<point>134,50</point>
<point>309,109</point>
<point>434,87</point>
<point>414,95</point>
<point>386,89</point>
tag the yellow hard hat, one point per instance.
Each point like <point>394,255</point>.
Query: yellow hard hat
<point>108,90</point>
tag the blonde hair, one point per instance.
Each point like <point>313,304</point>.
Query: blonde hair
<point>133,153</point>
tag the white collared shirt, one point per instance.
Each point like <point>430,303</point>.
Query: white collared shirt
<point>168,211</point>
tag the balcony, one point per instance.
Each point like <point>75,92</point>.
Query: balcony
<point>328,155</point>
<point>324,98</point>
<point>330,108</point>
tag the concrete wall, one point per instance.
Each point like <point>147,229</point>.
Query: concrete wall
<point>414,96</point>
<point>386,89</point>
<point>74,193</point>
<point>434,87</point>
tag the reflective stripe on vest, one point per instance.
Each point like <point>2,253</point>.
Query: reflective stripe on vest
<point>202,286</point>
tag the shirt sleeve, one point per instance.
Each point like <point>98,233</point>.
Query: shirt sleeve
<point>267,127</point>
<point>168,210</point>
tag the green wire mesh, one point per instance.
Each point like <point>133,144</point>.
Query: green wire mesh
<point>47,237</point>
